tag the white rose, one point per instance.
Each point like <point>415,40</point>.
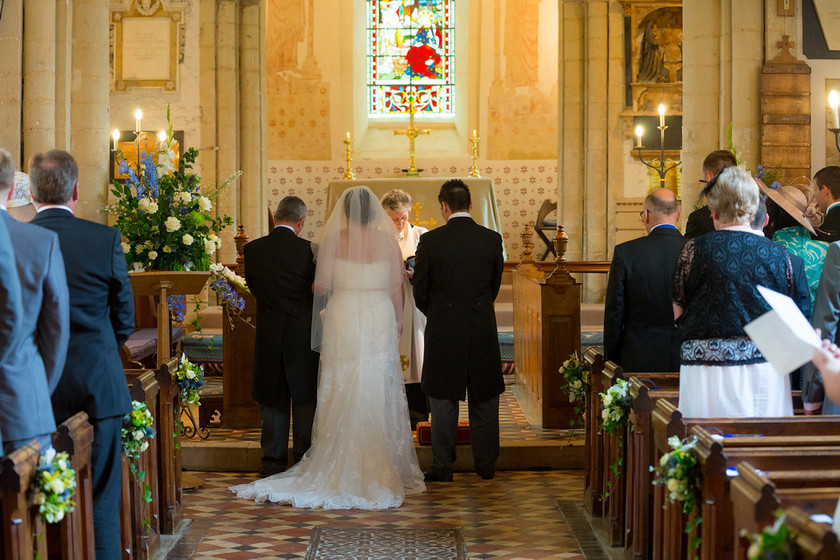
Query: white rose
<point>58,516</point>
<point>187,239</point>
<point>55,486</point>
<point>144,446</point>
<point>167,249</point>
<point>673,485</point>
<point>172,224</point>
<point>605,414</point>
<point>190,374</point>
<point>204,203</point>
<point>152,255</point>
<point>183,197</point>
<point>209,246</point>
<point>125,247</point>
<point>62,464</point>
<point>137,435</point>
<point>153,207</point>
<point>143,204</point>
<point>607,399</point>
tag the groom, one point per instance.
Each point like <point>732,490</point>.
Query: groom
<point>457,277</point>
<point>279,270</point>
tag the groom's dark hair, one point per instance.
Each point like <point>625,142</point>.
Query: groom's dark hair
<point>290,210</point>
<point>456,194</point>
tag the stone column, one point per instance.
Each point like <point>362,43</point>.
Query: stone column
<point>227,114</point>
<point>252,125</point>
<point>39,72</point>
<point>89,111</point>
<point>11,45</point>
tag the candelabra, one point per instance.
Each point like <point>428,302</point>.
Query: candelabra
<point>662,169</point>
<point>348,172</point>
<point>474,139</point>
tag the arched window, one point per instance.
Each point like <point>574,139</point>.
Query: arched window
<point>410,57</point>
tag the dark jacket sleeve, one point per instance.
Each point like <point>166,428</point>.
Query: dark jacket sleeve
<point>614,309</point>
<point>498,267</point>
<point>121,298</point>
<point>420,281</point>
<point>53,332</point>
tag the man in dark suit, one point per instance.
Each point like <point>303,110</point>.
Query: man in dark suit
<point>101,319</point>
<point>279,270</point>
<point>31,372</point>
<point>827,180</point>
<point>457,276</point>
<point>639,330</point>
<point>700,220</point>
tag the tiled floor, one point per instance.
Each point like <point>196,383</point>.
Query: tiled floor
<point>517,515</point>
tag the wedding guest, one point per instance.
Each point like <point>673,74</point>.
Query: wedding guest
<point>279,271</point>
<point>827,361</point>
<point>827,183</point>
<point>722,372</point>
<point>101,319</point>
<point>397,204</point>
<point>639,330</point>
<point>20,204</point>
<point>31,371</point>
<point>700,220</point>
<point>456,280</point>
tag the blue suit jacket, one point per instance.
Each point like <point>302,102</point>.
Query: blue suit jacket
<point>101,317</point>
<point>31,372</point>
<point>10,309</point>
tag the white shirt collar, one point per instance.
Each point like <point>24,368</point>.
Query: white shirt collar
<point>51,206</point>
<point>743,227</point>
<point>459,215</point>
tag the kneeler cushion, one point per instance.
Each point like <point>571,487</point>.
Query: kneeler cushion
<point>424,433</point>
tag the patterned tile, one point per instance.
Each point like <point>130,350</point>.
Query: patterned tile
<point>514,516</point>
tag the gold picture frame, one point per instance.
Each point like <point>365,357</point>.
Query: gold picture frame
<point>146,46</point>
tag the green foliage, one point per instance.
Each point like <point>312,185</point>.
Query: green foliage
<point>677,472</point>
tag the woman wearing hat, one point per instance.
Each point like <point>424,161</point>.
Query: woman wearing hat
<point>793,219</point>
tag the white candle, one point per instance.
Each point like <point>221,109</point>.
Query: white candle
<point>475,134</point>
<point>116,135</point>
<point>639,132</point>
<point>348,135</point>
<point>138,116</point>
<point>834,102</point>
<point>162,136</point>
<point>661,114</point>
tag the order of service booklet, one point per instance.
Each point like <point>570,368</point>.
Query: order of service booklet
<point>783,334</point>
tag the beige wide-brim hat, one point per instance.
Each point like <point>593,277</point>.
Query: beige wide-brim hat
<point>793,201</point>
<point>20,205</point>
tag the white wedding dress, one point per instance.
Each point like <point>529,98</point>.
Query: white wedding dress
<point>362,453</point>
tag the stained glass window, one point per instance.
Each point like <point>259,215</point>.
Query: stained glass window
<point>410,56</point>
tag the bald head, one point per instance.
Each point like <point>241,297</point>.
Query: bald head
<point>661,207</point>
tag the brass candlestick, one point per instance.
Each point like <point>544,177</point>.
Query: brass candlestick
<point>474,140</point>
<point>348,173</point>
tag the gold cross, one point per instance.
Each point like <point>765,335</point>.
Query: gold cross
<point>412,132</point>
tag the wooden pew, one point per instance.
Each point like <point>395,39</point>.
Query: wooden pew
<point>72,537</point>
<point>139,519</point>
<point>594,440</point>
<point>800,439</point>
<point>816,541</point>
<point>756,498</point>
<point>170,511</point>
<point>644,391</point>
<point>19,520</point>
<point>612,483</point>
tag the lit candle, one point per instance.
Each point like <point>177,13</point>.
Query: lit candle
<point>138,116</point>
<point>116,135</point>
<point>834,102</point>
<point>475,134</point>
<point>348,135</point>
<point>661,114</point>
<point>639,132</point>
<point>162,136</point>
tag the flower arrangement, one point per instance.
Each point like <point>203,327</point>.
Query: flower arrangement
<point>190,381</point>
<point>677,472</point>
<point>616,407</point>
<point>224,282</point>
<point>576,374</point>
<point>137,430</point>
<point>161,212</point>
<point>55,485</point>
<point>775,542</point>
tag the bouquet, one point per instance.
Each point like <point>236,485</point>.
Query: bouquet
<point>677,472</point>
<point>577,379</point>
<point>55,484</point>
<point>190,381</point>
<point>162,214</point>
<point>224,282</point>
<point>137,430</point>
<point>616,403</point>
<point>775,542</point>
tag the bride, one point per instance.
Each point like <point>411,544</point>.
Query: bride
<point>362,453</point>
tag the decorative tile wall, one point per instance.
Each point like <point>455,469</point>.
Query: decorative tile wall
<point>521,186</point>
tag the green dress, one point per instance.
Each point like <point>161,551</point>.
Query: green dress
<point>797,241</point>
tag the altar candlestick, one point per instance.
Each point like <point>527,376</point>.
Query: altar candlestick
<point>661,114</point>
<point>639,132</point>
<point>138,117</point>
<point>116,136</point>
<point>348,172</point>
<point>834,103</point>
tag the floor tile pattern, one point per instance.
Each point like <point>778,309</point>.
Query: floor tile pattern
<point>328,543</point>
<point>512,517</point>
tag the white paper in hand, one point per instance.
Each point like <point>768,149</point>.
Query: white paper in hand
<point>783,334</point>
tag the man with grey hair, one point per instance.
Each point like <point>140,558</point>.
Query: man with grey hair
<point>639,330</point>
<point>101,319</point>
<point>30,373</point>
<point>280,270</point>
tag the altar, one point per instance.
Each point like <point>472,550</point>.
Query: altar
<point>424,191</point>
